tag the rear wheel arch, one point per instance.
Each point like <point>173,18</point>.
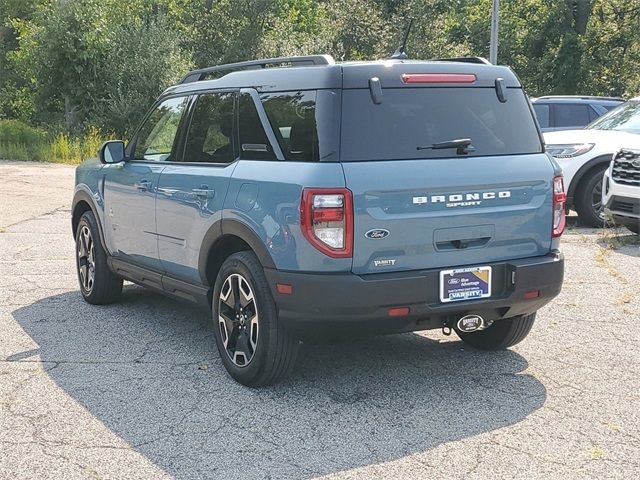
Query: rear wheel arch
<point>223,239</point>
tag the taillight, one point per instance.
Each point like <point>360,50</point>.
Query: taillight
<point>326,219</point>
<point>559,199</point>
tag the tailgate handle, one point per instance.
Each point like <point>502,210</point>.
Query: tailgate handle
<point>461,244</point>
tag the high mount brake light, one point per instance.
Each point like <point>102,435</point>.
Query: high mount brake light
<point>326,220</point>
<point>438,78</point>
<point>559,200</point>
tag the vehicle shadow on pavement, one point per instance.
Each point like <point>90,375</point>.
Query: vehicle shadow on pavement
<point>147,368</point>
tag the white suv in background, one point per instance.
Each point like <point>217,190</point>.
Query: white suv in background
<point>621,189</point>
<point>585,155</point>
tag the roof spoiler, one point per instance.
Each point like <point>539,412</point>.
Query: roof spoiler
<point>477,60</point>
<point>279,62</point>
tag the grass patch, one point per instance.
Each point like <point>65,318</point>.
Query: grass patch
<point>617,237</point>
<point>602,259</point>
<point>19,141</point>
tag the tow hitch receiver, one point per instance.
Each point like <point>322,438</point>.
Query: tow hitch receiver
<point>472,323</point>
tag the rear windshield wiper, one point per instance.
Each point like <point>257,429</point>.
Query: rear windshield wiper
<point>462,145</point>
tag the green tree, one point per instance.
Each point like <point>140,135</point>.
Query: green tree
<point>142,60</point>
<point>96,61</point>
<point>68,64</point>
<point>12,102</point>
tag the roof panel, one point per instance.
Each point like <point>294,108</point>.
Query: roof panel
<point>348,75</point>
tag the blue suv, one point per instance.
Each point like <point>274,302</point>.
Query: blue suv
<point>295,197</point>
<point>570,112</point>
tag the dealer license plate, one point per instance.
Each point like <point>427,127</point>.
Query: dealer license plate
<point>465,284</point>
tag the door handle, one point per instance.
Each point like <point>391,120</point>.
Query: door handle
<point>144,185</point>
<point>204,192</point>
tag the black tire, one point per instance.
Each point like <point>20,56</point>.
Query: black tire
<point>273,356</point>
<point>501,335</point>
<point>105,286</point>
<point>590,187</point>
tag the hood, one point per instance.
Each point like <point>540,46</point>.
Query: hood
<point>616,138</point>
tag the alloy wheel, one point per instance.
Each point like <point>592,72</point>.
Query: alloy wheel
<point>238,319</point>
<point>86,259</point>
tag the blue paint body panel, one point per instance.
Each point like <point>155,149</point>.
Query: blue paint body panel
<point>189,202</point>
<point>388,195</point>
<point>275,216</point>
<point>129,203</point>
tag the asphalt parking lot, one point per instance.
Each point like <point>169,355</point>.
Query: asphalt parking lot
<point>135,390</point>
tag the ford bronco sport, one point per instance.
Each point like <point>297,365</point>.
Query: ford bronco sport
<point>295,196</point>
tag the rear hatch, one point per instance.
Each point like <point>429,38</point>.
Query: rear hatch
<point>420,207</point>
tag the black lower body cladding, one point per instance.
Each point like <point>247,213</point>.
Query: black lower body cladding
<point>361,303</point>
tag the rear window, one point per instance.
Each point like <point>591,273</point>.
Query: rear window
<point>409,120</point>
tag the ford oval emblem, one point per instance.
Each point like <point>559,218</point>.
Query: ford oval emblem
<point>377,233</point>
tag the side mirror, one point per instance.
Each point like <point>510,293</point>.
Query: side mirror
<point>111,151</point>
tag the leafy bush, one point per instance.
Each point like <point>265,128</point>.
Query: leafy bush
<point>19,141</point>
<point>14,151</point>
<point>66,149</point>
<point>15,131</point>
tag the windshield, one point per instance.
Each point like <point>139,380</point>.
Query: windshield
<point>626,117</point>
<point>434,123</point>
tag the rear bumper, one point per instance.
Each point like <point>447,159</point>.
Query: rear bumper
<point>337,301</point>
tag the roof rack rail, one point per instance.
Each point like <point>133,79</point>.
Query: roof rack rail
<point>301,61</point>
<point>479,60</point>
<point>583,97</point>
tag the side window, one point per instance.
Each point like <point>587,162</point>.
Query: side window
<point>210,134</point>
<point>254,144</point>
<point>292,117</point>
<point>157,135</point>
<point>567,115</point>
<point>542,112</point>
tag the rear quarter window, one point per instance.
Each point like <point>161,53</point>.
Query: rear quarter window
<point>409,118</point>
<point>305,123</point>
<point>292,117</point>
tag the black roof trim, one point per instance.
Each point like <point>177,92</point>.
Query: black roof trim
<point>300,61</point>
<point>479,60</point>
<point>580,97</point>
